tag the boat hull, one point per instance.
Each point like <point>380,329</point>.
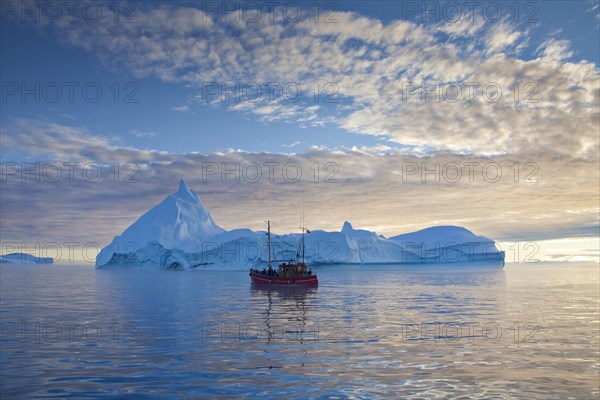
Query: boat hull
<point>259,279</point>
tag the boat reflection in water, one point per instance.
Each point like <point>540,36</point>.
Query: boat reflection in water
<point>298,293</point>
<point>285,311</point>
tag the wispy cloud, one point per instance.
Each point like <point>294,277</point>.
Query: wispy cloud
<point>181,108</point>
<point>144,134</point>
<point>291,145</point>
<point>555,50</point>
<point>504,38</point>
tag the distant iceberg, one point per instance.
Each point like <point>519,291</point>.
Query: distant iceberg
<point>179,233</point>
<point>24,258</point>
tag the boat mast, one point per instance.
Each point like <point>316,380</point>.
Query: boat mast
<point>303,228</point>
<point>269,242</point>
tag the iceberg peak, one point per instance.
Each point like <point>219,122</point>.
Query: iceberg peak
<point>349,231</point>
<point>183,187</point>
<point>179,222</point>
<point>185,193</point>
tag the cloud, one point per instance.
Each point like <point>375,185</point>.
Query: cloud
<point>555,50</point>
<point>503,36</point>
<point>464,25</point>
<point>181,108</point>
<point>144,134</point>
<point>406,82</point>
<point>291,145</point>
<point>52,141</point>
<point>504,197</point>
<point>440,95</point>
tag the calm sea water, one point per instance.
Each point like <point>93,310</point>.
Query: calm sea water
<point>525,331</point>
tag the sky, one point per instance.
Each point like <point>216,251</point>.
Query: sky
<point>394,115</point>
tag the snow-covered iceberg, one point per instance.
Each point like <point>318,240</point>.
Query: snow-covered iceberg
<point>24,258</point>
<point>179,233</point>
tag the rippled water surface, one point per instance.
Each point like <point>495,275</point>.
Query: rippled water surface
<point>525,331</point>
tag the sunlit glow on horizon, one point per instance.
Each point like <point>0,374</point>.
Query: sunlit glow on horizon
<point>577,249</point>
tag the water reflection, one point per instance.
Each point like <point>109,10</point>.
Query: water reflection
<point>297,292</point>
<point>369,332</point>
<point>285,310</point>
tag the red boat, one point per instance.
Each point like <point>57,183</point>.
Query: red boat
<point>290,272</point>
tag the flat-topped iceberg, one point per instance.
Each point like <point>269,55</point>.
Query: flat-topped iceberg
<point>24,258</point>
<point>179,233</point>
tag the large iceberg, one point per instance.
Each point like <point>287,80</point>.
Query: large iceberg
<point>179,233</point>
